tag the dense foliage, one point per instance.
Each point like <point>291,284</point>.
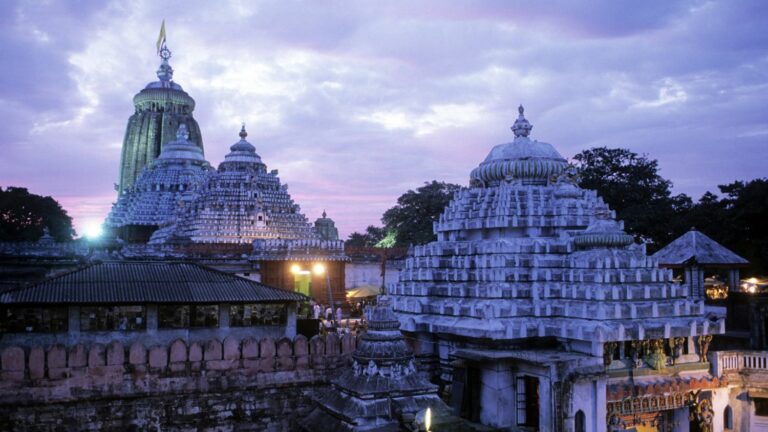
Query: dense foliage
<point>370,238</point>
<point>411,219</point>
<point>632,186</point>
<point>24,215</point>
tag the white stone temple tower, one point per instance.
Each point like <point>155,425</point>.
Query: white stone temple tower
<point>533,305</point>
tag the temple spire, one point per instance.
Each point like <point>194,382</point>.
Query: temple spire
<point>522,127</point>
<point>243,133</point>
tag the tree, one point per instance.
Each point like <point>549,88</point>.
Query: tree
<point>737,220</point>
<point>411,219</point>
<point>24,215</point>
<point>370,238</point>
<point>631,185</point>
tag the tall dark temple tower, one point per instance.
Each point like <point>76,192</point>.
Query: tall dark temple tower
<point>160,108</point>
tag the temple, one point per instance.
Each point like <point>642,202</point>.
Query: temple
<point>238,218</point>
<point>535,306</point>
<point>239,203</point>
<point>161,107</point>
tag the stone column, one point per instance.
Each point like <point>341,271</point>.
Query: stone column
<point>224,315</point>
<point>290,325</point>
<point>734,280</point>
<point>73,320</point>
<point>601,389</point>
<point>152,318</point>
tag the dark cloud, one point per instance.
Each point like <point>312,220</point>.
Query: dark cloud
<point>356,102</point>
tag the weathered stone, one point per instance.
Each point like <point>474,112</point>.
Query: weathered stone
<point>267,354</point>
<point>195,352</point>
<point>250,349</point>
<point>12,359</point>
<point>231,349</point>
<point>317,352</point>
<point>158,357</point>
<point>347,344</point>
<point>137,354</point>
<point>219,365</point>
<point>36,363</point>
<point>178,351</point>
<point>212,350</point>
<point>97,356</point>
<point>57,362</point>
<point>301,352</point>
<point>115,354</point>
<point>12,364</point>
<point>284,355</point>
<point>78,357</point>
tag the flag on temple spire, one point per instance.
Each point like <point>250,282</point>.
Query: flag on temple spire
<point>161,37</point>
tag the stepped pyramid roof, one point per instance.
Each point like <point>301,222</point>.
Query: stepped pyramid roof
<point>525,252</point>
<point>171,178</point>
<point>239,203</point>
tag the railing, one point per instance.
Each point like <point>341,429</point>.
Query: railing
<point>735,361</point>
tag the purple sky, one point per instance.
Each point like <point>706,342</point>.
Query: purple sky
<point>356,102</point>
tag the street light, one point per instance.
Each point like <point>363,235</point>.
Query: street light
<point>319,269</point>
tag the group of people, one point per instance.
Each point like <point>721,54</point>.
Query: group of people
<point>326,312</point>
<point>335,320</point>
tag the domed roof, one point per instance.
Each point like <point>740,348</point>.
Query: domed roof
<point>243,151</point>
<point>530,161</point>
<point>603,232</point>
<point>181,147</point>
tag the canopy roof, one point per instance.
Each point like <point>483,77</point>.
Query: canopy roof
<point>695,247</point>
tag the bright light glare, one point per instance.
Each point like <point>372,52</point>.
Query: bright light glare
<point>295,269</point>
<point>318,269</point>
<point>428,419</point>
<point>752,280</point>
<point>93,230</point>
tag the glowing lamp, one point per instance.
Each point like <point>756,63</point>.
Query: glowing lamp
<point>295,269</point>
<point>318,269</point>
<point>93,230</point>
<point>428,419</point>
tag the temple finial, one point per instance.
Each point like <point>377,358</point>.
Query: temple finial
<point>324,215</point>
<point>243,133</point>
<point>522,127</point>
<point>165,73</point>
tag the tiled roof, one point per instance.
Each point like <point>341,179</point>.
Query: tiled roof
<point>147,282</point>
<point>694,246</point>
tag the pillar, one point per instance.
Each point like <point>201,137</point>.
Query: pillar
<point>290,325</point>
<point>152,318</point>
<point>224,315</point>
<point>734,281</point>
<point>73,319</point>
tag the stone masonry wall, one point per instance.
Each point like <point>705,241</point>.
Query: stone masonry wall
<point>217,385</point>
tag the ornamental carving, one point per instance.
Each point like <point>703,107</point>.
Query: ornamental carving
<point>701,412</point>
<point>609,348</point>
<point>704,341</point>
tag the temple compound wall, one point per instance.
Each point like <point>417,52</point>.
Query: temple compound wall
<point>242,384</point>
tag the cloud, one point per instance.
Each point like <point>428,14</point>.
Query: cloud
<point>354,103</point>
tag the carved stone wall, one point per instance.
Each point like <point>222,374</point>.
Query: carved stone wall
<point>246,384</point>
